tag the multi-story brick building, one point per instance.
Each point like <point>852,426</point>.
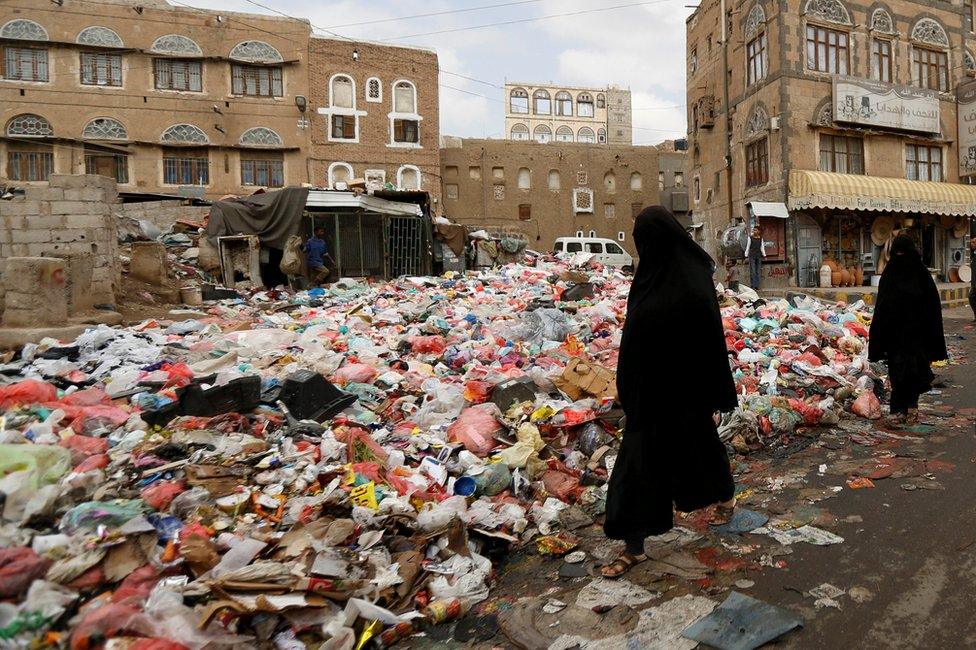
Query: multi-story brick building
<point>177,100</point>
<point>844,111</point>
<point>568,114</point>
<point>550,190</point>
<point>376,114</point>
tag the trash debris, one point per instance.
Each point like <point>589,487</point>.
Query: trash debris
<point>807,534</point>
<point>742,623</point>
<point>601,592</point>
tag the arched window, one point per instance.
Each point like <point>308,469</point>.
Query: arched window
<point>99,36</point>
<point>185,133</point>
<point>564,134</point>
<point>930,32</point>
<point>408,177</point>
<point>610,182</point>
<point>755,37</point>
<point>175,44</point>
<point>601,101</point>
<point>601,136</point>
<point>255,52</point>
<point>636,182</point>
<point>542,133</point>
<point>831,11</point>
<point>564,103</point>
<point>342,92</point>
<point>881,22</point>
<point>758,122</point>
<point>585,134</point>
<point>339,172</point>
<point>23,30</point>
<point>518,101</point>
<point>584,105</point>
<point>29,125</point>
<point>930,56</point>
<point>524,178</point>
<point>104,128</point>
<point>554,179</point>
<point>404,97</point>
<point>374,90</point>
<point>261,136</point>
<point>520,132</point>
<point>542,103</point>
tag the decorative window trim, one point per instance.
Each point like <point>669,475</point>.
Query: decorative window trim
<point>403,168</point>
<point>344,110</point>
<point>333,167</point>
<point>590,133</point>
<point>255,52</point>
<point>758,123</point>
<point>375,177</point>
<point>542,129</point>
<point>582,200</point>
<point>99,36</point>
<point>830,11</point>
<point>40,124</point>
<point>22,29</point>
<point>184,133</point>
<point>526,132</point>
<point>881,22</point>
<point>523,94</point>
<point>379,87</point>
<point>416,99</point>
<point>261,136</point>
<point>968,62</point>
<point>107,126</point>
<point>329,112</point>
<point>824,116</point>
<point>563,131</point>
<point>930,32</point>
<point>755,22</point>
<point>176,44</point>
<point>404,116</point>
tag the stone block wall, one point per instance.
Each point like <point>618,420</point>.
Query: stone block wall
<point>163,214</point>
<point>69,218</point>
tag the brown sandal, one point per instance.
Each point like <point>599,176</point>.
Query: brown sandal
<point>622,565</point>
<point>723,514</point>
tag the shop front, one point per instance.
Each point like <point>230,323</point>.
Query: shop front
<point>848,221</point>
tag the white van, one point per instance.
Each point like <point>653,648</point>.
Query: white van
<point>605,251</point>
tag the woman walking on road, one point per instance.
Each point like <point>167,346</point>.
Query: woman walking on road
<point>906,330</point>
<point>673,377</point>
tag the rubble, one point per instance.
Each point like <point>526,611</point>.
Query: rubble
<point>338,464</point>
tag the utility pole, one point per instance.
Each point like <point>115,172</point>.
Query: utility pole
<point>728,111</point>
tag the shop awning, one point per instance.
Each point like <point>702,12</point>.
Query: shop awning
<point>769,209</point>
<point>809,189</point>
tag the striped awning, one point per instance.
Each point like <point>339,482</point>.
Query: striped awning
<point>809,189</point>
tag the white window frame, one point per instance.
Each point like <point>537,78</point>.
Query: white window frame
<point>341,110</point>
<point>394,115</point>
<point>333,167</point>
<point>379,83</point>
<point>402,168</point>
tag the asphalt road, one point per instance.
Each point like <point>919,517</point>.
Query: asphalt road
<point>914,553</point>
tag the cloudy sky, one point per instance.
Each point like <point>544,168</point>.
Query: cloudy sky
<point>639,45</point>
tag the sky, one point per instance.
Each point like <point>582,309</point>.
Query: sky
<point>634,44</point>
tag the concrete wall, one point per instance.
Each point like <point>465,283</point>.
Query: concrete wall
<point>72,217</point>
<point>375,149</point>
<point>483,187</point>
<point>162,214</point>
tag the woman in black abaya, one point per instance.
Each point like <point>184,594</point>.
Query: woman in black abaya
<point>673,376</point>
<point>906,330</point>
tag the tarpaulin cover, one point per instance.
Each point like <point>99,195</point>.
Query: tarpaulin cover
<point>273,216</point>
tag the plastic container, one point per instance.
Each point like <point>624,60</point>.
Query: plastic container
<point>192,296</point>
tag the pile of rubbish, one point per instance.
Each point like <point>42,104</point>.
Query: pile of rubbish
<point>796,363</point>
<point>338,466</point>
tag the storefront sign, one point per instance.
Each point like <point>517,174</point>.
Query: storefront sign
<point>879,204</point>
<point>882,105</point>
<point>966,99</point>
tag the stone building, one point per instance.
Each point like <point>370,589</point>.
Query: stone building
<point>672,183</point>
<point>842,112</point>
<point>545,191</point>
<point>170,99</point>
<point>375,114</point>
<point>568,114</point>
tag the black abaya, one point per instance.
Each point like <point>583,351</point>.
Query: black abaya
<point>906,329</point>
<point>673,373</point>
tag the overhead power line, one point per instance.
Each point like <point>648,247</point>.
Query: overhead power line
<point>435,13</point>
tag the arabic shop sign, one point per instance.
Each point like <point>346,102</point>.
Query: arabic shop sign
<point>966,111</point>
<point>882,105</point>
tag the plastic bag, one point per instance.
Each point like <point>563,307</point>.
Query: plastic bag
<point>18,568</point>
<point>100,624</point>
<point>91,514</point>
<point>358,373</point>
<point>291,257</point>
<point>475,427</point>
<point>45,464</point>
<point>867,406</point>
<point>160,494</point>
<point>29,391</point>
<point>444,407</point>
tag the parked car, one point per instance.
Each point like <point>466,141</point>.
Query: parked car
<point>605,251</point>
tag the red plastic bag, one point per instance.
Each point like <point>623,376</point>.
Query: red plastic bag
<point>477,392</point>
<point>29,391</point>
<point>19,567</point>
<point>82,447</point>
<point>475,427</point>
<point>136,585</point>
<point>156,644</point>
<point>102,623</point>
<point>179,375</point>
<point>867,406</point>
<point>86,397</point>
<point>159,494</point>
<point>427,344</point>
<point>98,461</point>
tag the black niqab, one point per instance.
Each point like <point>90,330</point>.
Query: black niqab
<point>908,313</point>
<point>672,374</point>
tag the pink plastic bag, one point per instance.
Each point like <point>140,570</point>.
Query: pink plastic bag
<point>158,495</point>
<point>358,373</point>
<point>475,427</point>
<point>427,344</point>
<point>29,391</point>
<point>867,406</point>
